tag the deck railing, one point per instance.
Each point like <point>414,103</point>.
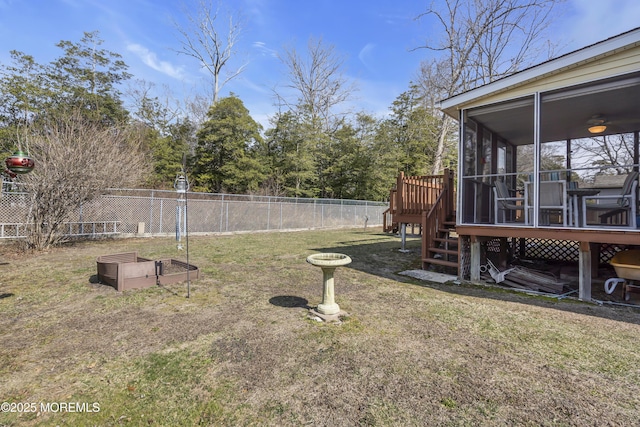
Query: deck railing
<point>417,193</point>
<point>414,195</point>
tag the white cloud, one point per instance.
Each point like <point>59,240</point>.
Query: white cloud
<point>151,60</point>
<point>264,50</point>
<point>365,55</point>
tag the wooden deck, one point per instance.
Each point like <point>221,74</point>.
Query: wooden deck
<point>589,244</point>
<point>621,237</point>
<point>428,201</point>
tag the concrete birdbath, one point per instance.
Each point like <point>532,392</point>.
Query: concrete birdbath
<point>328,262</point>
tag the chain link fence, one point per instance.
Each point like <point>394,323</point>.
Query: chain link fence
<point>155,212</point>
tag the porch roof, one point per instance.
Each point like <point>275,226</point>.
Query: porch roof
<point>532,78</point>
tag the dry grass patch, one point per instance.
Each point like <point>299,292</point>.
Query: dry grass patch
<point>242,351</point>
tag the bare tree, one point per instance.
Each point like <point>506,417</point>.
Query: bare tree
<point>606,154</point>
<point>318,81</point>
<point>483,40</point>
<point>155,111</point>
<point>205,40</point>
<point>433,80</point>
<point>197,107</point>
<point>75,161</point>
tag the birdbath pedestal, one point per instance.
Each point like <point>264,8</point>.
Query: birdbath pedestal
<point>328,262</point>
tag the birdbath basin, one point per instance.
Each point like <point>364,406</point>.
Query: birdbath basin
<point>328,262</point>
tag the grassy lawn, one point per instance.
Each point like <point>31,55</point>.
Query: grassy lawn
<point>242,350</point>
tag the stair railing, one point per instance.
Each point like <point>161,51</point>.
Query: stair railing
<point>433,220</point>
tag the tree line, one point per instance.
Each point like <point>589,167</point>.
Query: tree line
<point>90,125</point>
<point>308,151</point>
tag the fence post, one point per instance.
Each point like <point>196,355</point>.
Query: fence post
<point>161,214</point>
<point>226,224</point>
<point>81,220</point>
<point>221,214</point>
<point>151,213</point>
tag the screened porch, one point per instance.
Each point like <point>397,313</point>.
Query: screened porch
<point>566,158</point>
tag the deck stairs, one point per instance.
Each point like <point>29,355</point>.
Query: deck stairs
<point>443,250</point>
<point>427,201</point>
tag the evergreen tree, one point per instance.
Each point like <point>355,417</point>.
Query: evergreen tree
<point>340,171</point>
<point>83,80</point>
<point>368,168</point>
<point>22,92</point>
<point>226,155</point>
<point>409,134</point>
<point>289,157</point>
<point>167,139</point>
<point>167,152</point>
<point>86,78</point>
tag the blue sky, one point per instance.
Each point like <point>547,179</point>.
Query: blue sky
<point>377,38</point>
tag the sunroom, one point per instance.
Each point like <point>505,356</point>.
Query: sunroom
<point>552,153</point>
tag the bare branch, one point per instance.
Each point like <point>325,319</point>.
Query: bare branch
<point>202,41</point>
<point>318,80</point>
<point>484,40</point>
<point>76,160</point>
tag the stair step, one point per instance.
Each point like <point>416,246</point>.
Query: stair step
<point>445,230</point>
<point>448,240</point>
<point>444,251</point>
<point>440,262</point>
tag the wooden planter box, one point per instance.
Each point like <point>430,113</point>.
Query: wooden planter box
<point>129,271</point>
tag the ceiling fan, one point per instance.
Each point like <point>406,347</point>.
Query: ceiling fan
<point>598,123</point>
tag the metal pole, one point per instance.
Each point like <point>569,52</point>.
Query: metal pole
<point>181,185</point>
<point>186,234</point>
<point>151,213</point>
<point>178,225</point>
<point>161,214</point>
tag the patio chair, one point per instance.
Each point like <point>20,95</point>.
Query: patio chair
<point>553,199</point>
<point>615,207</point>
<point>504,201</point>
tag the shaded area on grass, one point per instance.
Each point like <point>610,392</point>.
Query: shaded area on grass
<point>242,350</point>
<point>386,260</point>
<point>289,301</point>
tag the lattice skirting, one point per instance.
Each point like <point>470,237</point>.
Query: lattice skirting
<point>549,249</point>
<point>537,249</point>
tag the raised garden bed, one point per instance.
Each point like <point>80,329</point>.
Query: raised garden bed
<point>129,271</point>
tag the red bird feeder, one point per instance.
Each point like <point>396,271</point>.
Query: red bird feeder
<point>19,163</point>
